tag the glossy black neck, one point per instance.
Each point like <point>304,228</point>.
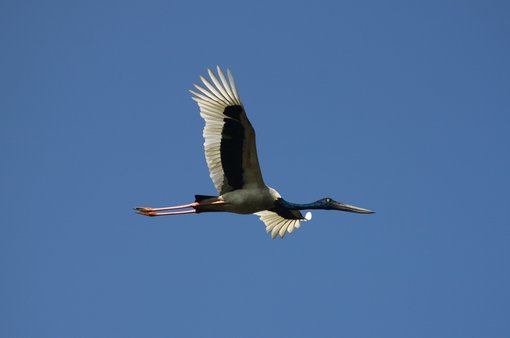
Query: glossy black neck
<point>298,206</point>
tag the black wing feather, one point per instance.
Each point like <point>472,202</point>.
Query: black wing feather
<point>231,149</point>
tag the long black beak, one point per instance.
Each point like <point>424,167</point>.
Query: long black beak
<point>351,208</point>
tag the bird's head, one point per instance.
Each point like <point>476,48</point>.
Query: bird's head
<point>330,204</point>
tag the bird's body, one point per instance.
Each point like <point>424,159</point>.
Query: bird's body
<point>249,201</point>
<point>241,201</point>
<point>231,154</point>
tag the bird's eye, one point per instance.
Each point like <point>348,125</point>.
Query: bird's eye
<point>328,199</point>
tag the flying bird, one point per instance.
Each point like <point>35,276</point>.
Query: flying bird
<point>231,156</point>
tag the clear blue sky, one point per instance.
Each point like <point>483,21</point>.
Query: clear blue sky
<point>399,106</point>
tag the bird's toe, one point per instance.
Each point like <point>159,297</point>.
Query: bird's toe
<point>146,213</point>
<point>142,209</point>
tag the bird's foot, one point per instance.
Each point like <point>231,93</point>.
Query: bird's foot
<point>143,210</point>
<point>146,212</point>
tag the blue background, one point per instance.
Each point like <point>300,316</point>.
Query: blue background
<point>399,106</point>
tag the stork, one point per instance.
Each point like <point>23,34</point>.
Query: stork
<point>231,156</point>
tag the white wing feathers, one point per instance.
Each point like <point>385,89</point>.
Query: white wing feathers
<point>277,225</point>
<point>225,95</point>
<point>212,104</point>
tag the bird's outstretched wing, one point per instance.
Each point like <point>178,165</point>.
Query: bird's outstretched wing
<point>230,148</point>
<point>279,222</point>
